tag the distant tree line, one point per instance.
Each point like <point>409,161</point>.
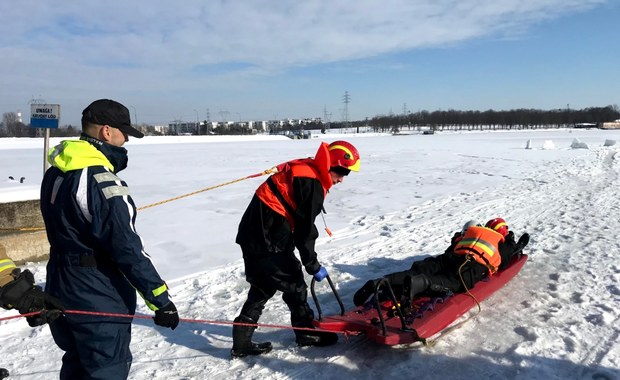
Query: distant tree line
<point>435,120</point>
<point>512,119</point>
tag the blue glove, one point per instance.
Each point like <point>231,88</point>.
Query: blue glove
<point>321,274</point>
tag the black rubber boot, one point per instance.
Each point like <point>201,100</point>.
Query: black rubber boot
<point>361,296</point>
<point>305,338</point>
<point>414,285</point>
<point>4,373</point>
<point>242,340</point>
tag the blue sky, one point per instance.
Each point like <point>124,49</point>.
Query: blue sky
<point>262,59</point>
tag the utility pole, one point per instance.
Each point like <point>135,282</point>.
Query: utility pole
<point>224,114</point>
<point>326,117</point>
<point>208,120</point>
<point>406,116</point>
<point>46,140</point>
<point>197,122</point>
<point>346,99</point>
<point>135,116</point>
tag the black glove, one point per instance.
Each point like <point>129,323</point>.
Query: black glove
<point>53,307</point>
<point>524,240</point>
<point>26,297</point>
<point>12,293</point>
<point>167,316</point>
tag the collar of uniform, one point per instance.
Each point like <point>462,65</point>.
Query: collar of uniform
<point>116,154</point>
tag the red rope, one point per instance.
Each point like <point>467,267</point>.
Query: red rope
<point>205,321</point>
<point>19,316</point>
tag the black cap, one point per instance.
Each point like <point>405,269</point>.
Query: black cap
<point>109,112</point>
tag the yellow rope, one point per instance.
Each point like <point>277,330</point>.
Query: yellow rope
<point>268,171</point>
<point>265,172</point>
<point>431,342</point>
<point>23,229</point>
<point>465,286</point>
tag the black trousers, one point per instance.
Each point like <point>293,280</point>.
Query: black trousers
<point>442,272</point>
<point>270,274</point>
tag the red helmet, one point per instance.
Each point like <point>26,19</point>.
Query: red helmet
<point>344,155</point>
<point>499,225</point>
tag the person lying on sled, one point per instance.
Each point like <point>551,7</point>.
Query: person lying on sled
<point>474,253</point>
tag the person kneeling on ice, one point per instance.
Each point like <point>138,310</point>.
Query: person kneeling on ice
<point>474,253</point>
<point>18,291</point>
<point>280,218</point>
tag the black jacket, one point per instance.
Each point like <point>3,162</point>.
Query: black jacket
<point>264,233</point>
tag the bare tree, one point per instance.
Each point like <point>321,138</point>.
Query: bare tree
<point>12,125</point>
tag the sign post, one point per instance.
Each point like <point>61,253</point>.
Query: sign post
<point>45,116</point>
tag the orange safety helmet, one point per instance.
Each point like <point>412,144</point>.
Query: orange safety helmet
<point>344,155</point>
<point>498,225</point>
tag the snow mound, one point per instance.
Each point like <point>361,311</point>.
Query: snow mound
<point>577,144</point>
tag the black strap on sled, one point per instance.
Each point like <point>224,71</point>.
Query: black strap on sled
<point>316,300</point>
<point>385,283</point>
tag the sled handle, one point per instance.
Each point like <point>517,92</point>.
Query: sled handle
<point>316,300</point>
<point>385,283</point>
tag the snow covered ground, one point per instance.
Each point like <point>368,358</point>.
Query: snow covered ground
<point>558,319</point>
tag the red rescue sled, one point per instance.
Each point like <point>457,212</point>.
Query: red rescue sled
<point>389,328</point>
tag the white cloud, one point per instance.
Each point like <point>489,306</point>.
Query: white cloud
<point>91,48</point>
<point>264,33</point>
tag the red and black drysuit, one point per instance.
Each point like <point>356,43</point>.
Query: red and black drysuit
<point>280,218</point>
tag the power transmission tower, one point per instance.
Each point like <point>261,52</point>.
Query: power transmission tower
<point>224,114</point>
<point>326,118</point>
<point>346,99</point>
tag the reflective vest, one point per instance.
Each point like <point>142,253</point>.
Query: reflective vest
<point>6,268</point>
<point>482,244</point>
<point>277,191</point>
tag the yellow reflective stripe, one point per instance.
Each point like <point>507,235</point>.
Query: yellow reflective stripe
<point>341,147</point>
<point>156,292</point>
<point>483,245</point>
<point>6,264</point>
<point>356,166</point>
<point>161,290</point>
<point>150,305</point>
<point>500,225</point>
